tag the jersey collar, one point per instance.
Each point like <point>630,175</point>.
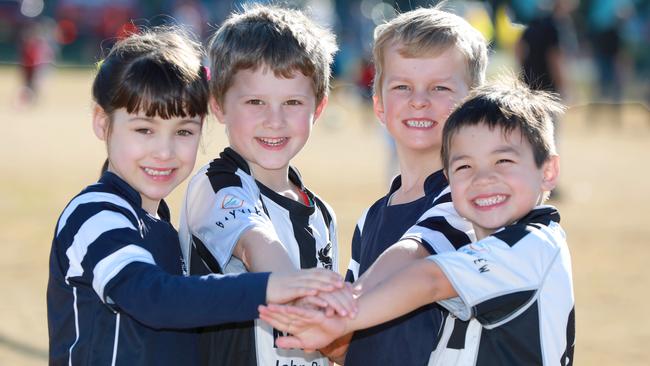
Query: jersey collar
<point>131,195</point>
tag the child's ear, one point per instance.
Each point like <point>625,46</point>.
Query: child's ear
<point>551,171</point>
<point>378,107</point>
<point>320,107</point>
<point>101,122</point>
<point>216,109</point>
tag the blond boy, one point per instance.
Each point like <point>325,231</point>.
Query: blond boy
<point>426,61</point>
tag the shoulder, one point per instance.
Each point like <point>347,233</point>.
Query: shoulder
<point>97,199</point>
<point>222,172</point>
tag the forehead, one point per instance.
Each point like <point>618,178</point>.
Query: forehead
<point>480,138</point>
<point>444,63</point>
<point>263,80</point>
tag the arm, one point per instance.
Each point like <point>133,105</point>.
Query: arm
<point>398,256</point>
<point>261,251</point>
<point>160,300</point>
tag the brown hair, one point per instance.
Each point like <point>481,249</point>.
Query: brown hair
<point>283,40</point>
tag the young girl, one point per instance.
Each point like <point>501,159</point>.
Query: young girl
<point>116,293</point>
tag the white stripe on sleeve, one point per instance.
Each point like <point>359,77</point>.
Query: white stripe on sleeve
<point>92,197</point>
<point>110,266</point>
<point>89,232</point>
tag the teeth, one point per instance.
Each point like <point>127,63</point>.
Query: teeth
<point>419,123</point>
<point>157,172</point>
<point>273,141</point>
<point>482,202</point>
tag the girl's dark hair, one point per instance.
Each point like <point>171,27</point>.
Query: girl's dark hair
<point>157,72</point>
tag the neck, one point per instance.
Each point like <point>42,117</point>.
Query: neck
<point>150,206</point>
<point>415,168</point>
<point>277,180</point>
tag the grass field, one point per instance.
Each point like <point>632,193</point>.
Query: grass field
<point>49,153</point>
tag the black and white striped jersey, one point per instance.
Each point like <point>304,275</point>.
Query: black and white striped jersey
<point>116,290</point>
<point>515,303</point>
<point>223,200</point>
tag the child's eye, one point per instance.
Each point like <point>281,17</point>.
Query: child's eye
<point>461,167</point>
<point>504,161</point>
<point>255,101</point>
<point>185,133</point>
<point>401,87</point>
<point>440,88</point>
<point>144,131</point>
<point>293,102</point>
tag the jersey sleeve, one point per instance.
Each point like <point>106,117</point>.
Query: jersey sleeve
<point>218,209</point>
<point>493,279</point>
<point>441,229</point>
<point>98,235</point>
<point>352,274</point>
<point>161,300</point>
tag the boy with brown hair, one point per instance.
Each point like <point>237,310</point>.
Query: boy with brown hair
<point>248,210</point>
<point>510,294</point>
<point>426,61</point>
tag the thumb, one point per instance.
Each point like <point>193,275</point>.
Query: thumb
<point>288,342</point>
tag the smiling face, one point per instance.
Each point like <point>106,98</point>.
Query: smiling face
<point>493,177</point>
<point>417,95</point>
<point>153,155</point>
<point>268,118</point>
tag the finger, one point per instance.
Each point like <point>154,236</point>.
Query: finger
<point>288,342</point>
<point>276,322</point>
<point>325,276</point>
<point>342,301</point>
<point>311,302</point>
<point>278,316</point>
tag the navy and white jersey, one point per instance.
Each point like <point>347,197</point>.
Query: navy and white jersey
<point>224,200</point>
<point>515,303</point>
<point>116,290</point>
<point>410,339</point>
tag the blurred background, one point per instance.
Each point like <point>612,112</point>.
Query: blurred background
<point>602,45</point>
<point>594,53</point>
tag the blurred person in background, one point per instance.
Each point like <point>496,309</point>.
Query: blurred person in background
<point>542,51</point>
<point>36,52</point>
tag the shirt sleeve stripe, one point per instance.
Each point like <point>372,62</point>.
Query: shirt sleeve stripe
<point>353,269</point>
<point>111,265</point>
<point>89,232</point>
<point>88,198</point>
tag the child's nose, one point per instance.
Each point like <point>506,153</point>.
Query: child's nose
<point>484,177</point>
<point>419,100</point>
<point>164,148</point>
<point>275,118</point>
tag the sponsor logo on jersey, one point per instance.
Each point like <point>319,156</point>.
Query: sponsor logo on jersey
<point>230,202</point>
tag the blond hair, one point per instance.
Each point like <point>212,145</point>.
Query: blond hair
<point>429,32</point>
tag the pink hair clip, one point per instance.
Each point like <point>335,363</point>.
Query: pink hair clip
<point>208,76</point>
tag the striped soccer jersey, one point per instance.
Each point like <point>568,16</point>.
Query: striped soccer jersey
<point>116,289</point>
<point>409,339</point>
<point>515,303</point>
<point>223,200</point>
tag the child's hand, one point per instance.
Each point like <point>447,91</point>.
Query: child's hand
<point>285,287</point>
<point>341,302</point>
<point>310,329</point>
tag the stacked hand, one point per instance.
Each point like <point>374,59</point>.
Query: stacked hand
<point>313,321</point>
